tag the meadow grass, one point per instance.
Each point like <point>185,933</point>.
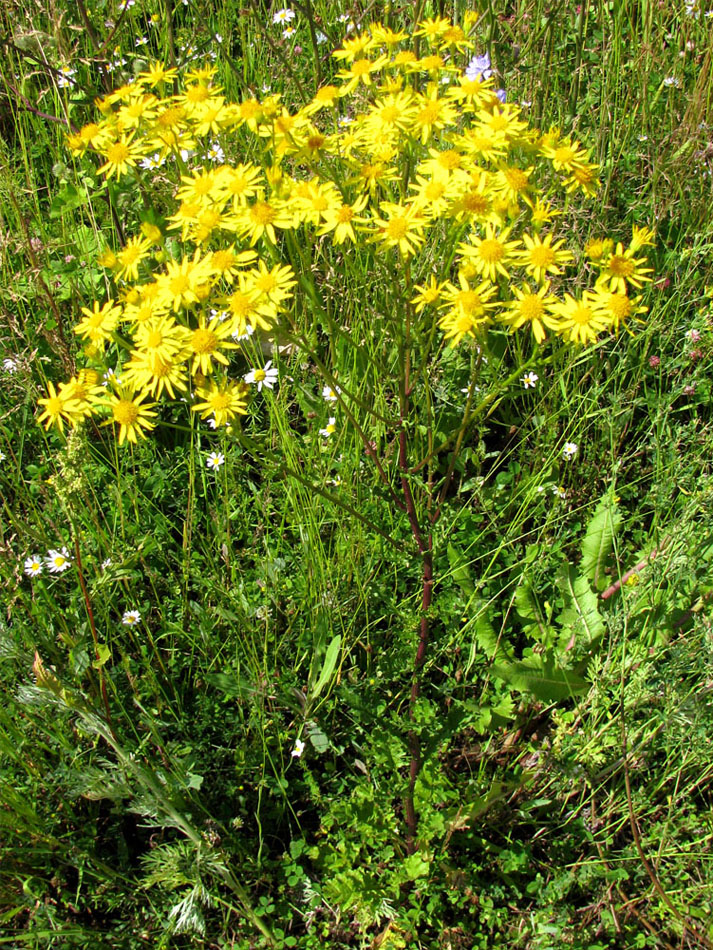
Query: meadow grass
<point>215,621</point>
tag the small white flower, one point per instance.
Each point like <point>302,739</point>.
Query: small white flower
<point>298,749</point>
<point>344,120</point>
<point>283,16</point>
<point>152,161</point>
<point>131,618</point>
<point>65,75</point>
<point>529,380</point>
<point>218,37</point>
<point>672,81</point>
<point>222,315</point>
<point>215,153</point>
<point>141,41</point>
<point>215,460</point>
<point>9,365</point>
<point>288,32</point>
<point>57,562</point>
<point>558,492</point>
<point>321,37</point>
<point>33,565</point>
<point>569,451</point>
<point>2,456</point>
<point>330,428</point>
<point>331,394</point>
<point>266,376</point>
<point>106,563</point>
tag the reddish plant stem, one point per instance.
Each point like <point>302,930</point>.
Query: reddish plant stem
<point>425,547</point>
<point>92,625</point>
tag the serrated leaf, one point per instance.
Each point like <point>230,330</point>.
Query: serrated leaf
<point>529,609</point>
<point>542,679</point>
<point>599,540</point>
<point>580,620</point>
<point>460,569</point>
<point>484,635</point>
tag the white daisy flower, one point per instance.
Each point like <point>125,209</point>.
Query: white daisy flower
<point>559,492</point>
<point>529,380</point>
<point>65,74</point>
<point>283,16</point>
<point>288,32</point>
<point>131,618</point>
<point>9,365</point>
<point>57,562</point>
<point>215,460</point>
<point>107,563</point>
<point>33,565</point>
<point>241,337</point>
<point>331,394</point>
<point>298,749</point>
<point>330,428</point>
<point>569,451</point>
<point>266,376</point>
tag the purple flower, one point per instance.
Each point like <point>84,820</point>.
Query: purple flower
<point>479,68</point>
<point>501,94</point>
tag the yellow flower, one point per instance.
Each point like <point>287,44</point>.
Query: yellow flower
<point>623,268</point>
<point>262,217</point>
<point>432,114</point>
<point>223,401</point>
<point>99,323</point>
<point>341,219</point>
<point>120,156</point>
<point>583,178</point>
<point>179,286</point>
<point>156,74</point>
<point>531,308</point>
<point>360,71</point>
<point>148,372</point>
<point>581,321</point>
<point>597,248</point>
<point>402,228</point>
<point>617,307</point>
<point>428,294</point>
<point>542,257</point>
<point>161,338</point>
<point>469,308</point>
<point>84,389</point>
<point>490,254</point>
<point>131,255</point>
<point>206,343</point>
<point>133,418</point>
<point>58,408</point>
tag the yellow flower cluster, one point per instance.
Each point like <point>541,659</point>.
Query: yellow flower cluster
<point>406,155</point>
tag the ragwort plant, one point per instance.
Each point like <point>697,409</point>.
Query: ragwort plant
<point>411,179</point>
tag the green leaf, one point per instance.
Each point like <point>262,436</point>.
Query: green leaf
<point>599,540</point>
<point>330,661</point>
<point>484,635</point>
<point>542,679</point>
<point>529,609</point>
<point>103,654</point>
<point>460,569</point>
<point>581,621</point>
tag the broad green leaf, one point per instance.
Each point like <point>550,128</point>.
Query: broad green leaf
<point>330,661</point>
<point>103,654</point>
<point>529,609</point>
<point>542,679</point>
<point>580,620</point>
<point>460,569</point>
<point>599,540</point>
